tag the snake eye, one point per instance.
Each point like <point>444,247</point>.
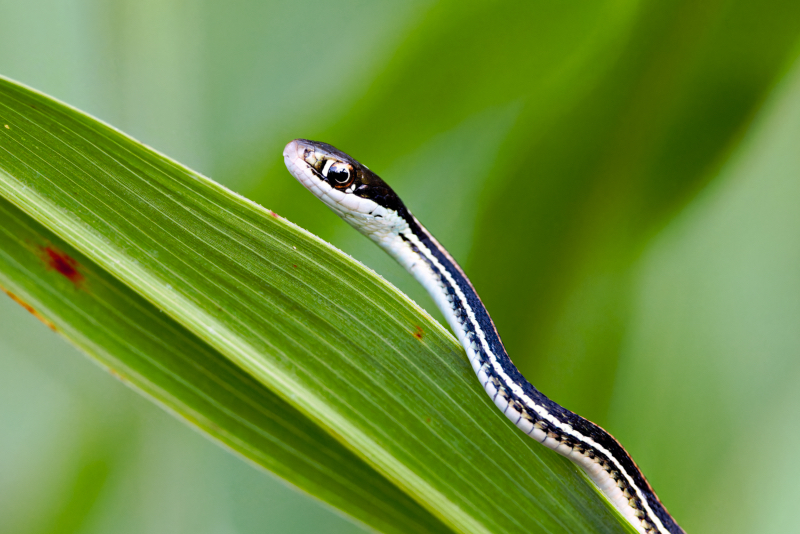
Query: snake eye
<point>339,175</point>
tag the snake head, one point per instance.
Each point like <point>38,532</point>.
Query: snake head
<point>345,185</point>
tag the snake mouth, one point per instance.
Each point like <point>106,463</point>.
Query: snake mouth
<point>291,150</point>
<point>305,161</point>
<point>300,157</point>
<point>294,156</point>
<point>305,150</point>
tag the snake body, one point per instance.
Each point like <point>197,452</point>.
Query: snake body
<point>366,202</point>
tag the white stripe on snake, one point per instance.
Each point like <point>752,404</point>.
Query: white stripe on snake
<point>364,200</point>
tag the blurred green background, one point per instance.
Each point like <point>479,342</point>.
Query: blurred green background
<point>620,179</point>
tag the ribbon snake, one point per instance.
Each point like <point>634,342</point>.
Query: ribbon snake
<point>367,203</point>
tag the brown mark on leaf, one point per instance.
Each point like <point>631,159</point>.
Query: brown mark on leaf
<point>116,374</point>
<point>418,332</point>
<point>427,419</point>
<point>295,266</point>
<point>31,310</point>
<point>63,263</point>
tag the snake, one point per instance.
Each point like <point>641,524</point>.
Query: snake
<point>366,202</point>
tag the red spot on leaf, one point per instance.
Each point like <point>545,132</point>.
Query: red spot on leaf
<point>295,266</point>
<point>63,263</point>
<point>274,214</point>
<point>418,332</point>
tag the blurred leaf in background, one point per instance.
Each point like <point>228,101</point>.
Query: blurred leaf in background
<point>618,178</point>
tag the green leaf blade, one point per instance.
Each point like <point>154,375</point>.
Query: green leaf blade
<point>324,334</point>
<point>147,350</point>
